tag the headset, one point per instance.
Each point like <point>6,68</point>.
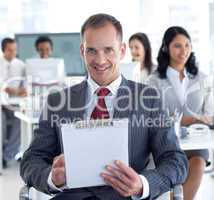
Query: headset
<point>164,48</point>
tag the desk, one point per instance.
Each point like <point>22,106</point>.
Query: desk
<point>28,123</point>
<point>1,143</point>
<point>192,142</point>
<point>4,102</point>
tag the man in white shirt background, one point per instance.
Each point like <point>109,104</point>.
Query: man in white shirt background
<point>12,71</point>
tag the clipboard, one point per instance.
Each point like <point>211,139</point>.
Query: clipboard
<point>89,146</point>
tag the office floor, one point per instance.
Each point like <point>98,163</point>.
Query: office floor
<point>10,183</point>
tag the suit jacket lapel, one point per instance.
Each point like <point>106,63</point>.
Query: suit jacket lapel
<point>122,100</point>
<point>121,103</point>
<point>78,100</point>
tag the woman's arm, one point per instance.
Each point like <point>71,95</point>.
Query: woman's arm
<point>188,120</point>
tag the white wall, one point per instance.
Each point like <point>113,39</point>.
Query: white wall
<point>150,16</point>
<point>157,16</point>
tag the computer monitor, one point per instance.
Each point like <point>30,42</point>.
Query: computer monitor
<point>44,76</point>
<point>65,45</point>
<point>45,71</point>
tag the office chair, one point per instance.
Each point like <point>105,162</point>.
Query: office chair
<point>24,193</point>
<point>29,193</point>
<point>177,193</point>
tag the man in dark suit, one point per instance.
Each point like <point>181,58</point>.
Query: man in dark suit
<point>106,94</point>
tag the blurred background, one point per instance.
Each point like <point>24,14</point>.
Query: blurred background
<point>149,16</point>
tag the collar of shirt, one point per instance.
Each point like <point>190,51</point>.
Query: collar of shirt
<point>113,87</point>
<point>91,98</point>
<point>171,72</point>
<point>180,87</point>
<point>8,62</point>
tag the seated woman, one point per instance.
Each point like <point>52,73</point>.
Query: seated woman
<point>183,90</point>
<point>141,52</point>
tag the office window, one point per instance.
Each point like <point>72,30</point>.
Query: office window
<point>157,16</point>
<point>150,16</point>
<point>66,46</point>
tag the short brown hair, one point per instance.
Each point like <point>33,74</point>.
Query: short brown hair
<point>6,41</point>
<point>100,20</point>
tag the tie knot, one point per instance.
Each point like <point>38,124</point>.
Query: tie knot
<point>102,92</point>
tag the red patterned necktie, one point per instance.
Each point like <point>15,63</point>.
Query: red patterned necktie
<point>100,111</point>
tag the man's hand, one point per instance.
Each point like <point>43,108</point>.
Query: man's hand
<point>58,171</point>
<point>123,179</point>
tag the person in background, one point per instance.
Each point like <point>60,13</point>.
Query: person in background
<point>44,46</point>
<point>12,71</point>
<point>141,52</point>
<point>181,85</point>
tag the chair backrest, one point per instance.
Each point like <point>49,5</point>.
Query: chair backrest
<point>24,193</point>
<point>29,193</point>
<point>178,192</point>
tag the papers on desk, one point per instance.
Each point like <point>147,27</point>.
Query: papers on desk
<point>88,149</point>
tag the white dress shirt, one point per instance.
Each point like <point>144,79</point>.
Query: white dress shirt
<point>91,103</point>
<point>139,75</point>
<point>193,96</point>
<point>11,72</point>
<point>180,86</point>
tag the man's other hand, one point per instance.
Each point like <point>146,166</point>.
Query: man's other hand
<point>123,179</point>
<point>58,171</point>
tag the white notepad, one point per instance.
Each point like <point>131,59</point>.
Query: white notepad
<point>88,150</point>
